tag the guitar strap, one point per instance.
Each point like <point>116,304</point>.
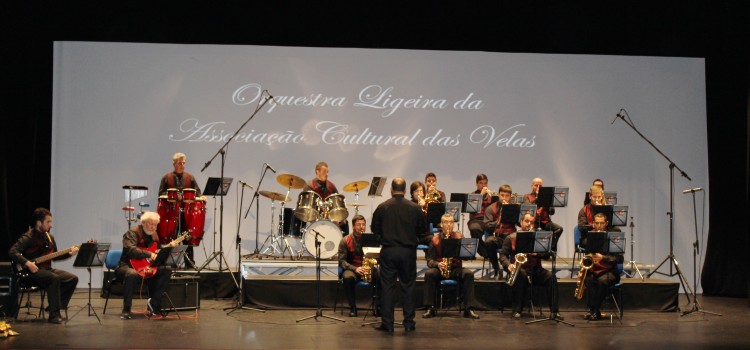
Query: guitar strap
<point>52,246</point>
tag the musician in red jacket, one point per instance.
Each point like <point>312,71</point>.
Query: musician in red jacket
<point>138,243</point>
<point>38,243</point>
<point>602,275</point>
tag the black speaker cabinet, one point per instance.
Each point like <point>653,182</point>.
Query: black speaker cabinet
<point>184,294</point>
<point>8,292</point>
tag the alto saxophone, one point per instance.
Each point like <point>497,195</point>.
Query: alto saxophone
<point>367,265</point>
<point>520,260</point>
<point>586,263</point>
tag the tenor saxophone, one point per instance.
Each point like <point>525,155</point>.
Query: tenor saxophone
<point>520,260</point>
<point>367,265</point>
<point>587,261</point>
<point>446,261</point>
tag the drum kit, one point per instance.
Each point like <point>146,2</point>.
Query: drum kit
<point>177,204</point>
<point>312,215</point>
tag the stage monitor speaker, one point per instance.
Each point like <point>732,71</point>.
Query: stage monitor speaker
<point>184,293</point>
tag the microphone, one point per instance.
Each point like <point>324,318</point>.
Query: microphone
<point>270,167</point>
<point>243,183</point>
<point>617,116</point>
<point>691,190</point>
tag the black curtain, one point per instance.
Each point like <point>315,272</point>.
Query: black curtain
<point>716,30</point>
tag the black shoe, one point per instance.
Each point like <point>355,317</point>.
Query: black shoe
<point>410,328</point>
<point>353,312</point>
<point>516,316</point>
<point>557,316</point>
<point>126,315</point>
<point>54,317</point>
<point>469,313</point>
<point>593,316</point>
<point>430,313</point>
<point>383,328</point>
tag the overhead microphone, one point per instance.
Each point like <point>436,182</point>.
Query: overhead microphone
<point>243,183</point>
<point>691,190</point>
<point>270,167</point>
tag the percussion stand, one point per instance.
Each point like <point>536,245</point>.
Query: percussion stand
<point>274,230</point>
<point>319,312</point>
<point>696,306</point>
<point>631,264</point>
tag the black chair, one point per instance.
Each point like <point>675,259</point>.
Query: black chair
<point>25,289</point>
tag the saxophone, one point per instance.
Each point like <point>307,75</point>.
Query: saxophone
<point>586,263</point>
<point>520,260</point>
<point>446,273</point>
<point>367,265</point>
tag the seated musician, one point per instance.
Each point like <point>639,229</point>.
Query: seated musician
<point>446,268</point>
<point>430,181</point>
<point>324,188</point>
<point>37,243</point>
<point>351,260</point>
<point>499,230</point>
<point>417,196</point>
<point>543,213</point>
<point>531,273</point>
<point>134,246</point>
<point>476,220</point>
<point>586,215</point>
<point>602,275</point>
<point>596,182</point>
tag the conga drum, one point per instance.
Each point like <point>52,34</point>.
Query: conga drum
<point>188,195</point>
<point>169,213</point>
<point>173,195</point>
<point>195,219</point>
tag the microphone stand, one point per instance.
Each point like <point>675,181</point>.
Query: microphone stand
<point>240,286</point>
<point>631,263</point>
<point>696,306</point>
<point>255,200</point>
<point>671,257</point>
<point>319,312</point>
<point>220,254</point>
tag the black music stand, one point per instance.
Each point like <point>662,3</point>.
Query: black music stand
<point>527,208</point>
<point>434,212</point>
<point>468,248</point>
<point>607,210</point>
<point>454,208</point>
<point>89,255</point>
<point>510,214</point>
<point>216,186</point>
<point>540,242</point>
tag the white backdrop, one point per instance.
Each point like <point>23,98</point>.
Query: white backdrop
<point>121,110</point>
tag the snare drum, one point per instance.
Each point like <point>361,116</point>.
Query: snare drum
<point>330,237</point>
<point>195,219</point>
<point>188,195</point>
<point>173,194</point>
<point>337,211</point>
<point>307,206</point>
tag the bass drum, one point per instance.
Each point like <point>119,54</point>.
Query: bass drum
<point>337,207</point>
<point>195,219</point>
<point>329,242</point>
<point>169,213</point>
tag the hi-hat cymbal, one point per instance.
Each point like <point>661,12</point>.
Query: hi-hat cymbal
<point>356,205</point>
<point>274,196</point>
<point>356,186</point>
<point>289,180</point>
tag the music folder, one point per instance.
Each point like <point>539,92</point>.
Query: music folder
<point>533,241</point>
<point>91,254</point>
<point>434,212</point>
<point>510,213</point>
<point>450,247</point>
<point>162,257</point>
<point>370,240</point>
<point>545,197</point>
<point>605,242</point>
<point>462,198</point>
<point>604,209</point>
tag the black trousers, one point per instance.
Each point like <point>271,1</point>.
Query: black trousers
<point>157,284</point>
<point>59,285</point>
<point>401,263</point>
<point>597,288</point>
<point>539,277</point>
<point>432,279</point>
<point>350,279</point>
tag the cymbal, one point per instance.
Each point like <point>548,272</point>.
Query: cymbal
<point>289,180</point>
<point>355,186</point>
<point>274,196</point>
<point>356,205</point>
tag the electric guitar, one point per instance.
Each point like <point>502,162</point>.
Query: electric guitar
<point>143,266</point>
<point>22,271</point>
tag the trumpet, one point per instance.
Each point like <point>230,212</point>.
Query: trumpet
<point>520,260</point>
<point>586,263</point>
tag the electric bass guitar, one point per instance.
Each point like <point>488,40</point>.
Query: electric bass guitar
<point>143,266</point>
<point>22,271</point>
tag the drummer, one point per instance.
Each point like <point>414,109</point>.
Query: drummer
<point>324,188</point>
<point>180,179</point>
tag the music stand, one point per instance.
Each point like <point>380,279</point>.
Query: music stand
<point>619,215</point>
<point>607,210</point>
<point>176,256</point>
<point>434,212</point>
<point>468,248</point>
<point>454,208</point>
<point>560,197</point>
<point>540,242</point>
<point>511,213</point>
<point>610,197</point>
<point>217,187</point>
<point>527,209</point>
<point>89,255</point>
<point>376,189</point>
